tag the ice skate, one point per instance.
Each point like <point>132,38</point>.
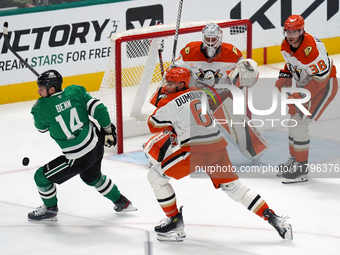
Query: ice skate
<point>280,224</point>
<point>43,213</point>
<point>297,173</point>
<point>285,167</point>
<point>171,229</point>
<point>124,205</point>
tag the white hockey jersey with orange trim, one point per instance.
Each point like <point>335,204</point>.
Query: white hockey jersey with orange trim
<point>195,131</point>
<point>309,62</point>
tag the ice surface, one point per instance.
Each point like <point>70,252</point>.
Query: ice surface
<point>214,223</point>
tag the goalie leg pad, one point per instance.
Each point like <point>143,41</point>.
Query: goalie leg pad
<point>245,137</point>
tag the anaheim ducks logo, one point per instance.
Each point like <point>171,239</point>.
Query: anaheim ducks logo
<point>308,50</point>
<point>235,50</point>
<point>162,96</point>
<point>209,77</point>
<point>187,50</point>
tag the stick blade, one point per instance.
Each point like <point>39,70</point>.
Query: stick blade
<point>5,28</point>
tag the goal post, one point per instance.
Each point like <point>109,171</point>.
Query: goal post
<point>133,72</point>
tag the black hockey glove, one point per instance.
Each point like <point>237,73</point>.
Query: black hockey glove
<point>110,136</point>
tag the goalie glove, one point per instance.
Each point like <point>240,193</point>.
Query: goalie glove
<point>245,74</point>
<point>110,137</point>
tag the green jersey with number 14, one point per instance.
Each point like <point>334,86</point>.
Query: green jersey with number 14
<point>66,114</point>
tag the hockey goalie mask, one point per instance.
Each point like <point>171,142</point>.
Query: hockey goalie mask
<point>175,76</point>
<point>212,39</point>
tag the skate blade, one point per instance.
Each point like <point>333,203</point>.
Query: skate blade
<point>130,208</point>
<point>303,178</point>
<point>55,218</point>
<point>289,232</point>
<point>172,236</point>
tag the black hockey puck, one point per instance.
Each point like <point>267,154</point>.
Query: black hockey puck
<point>25,161</point>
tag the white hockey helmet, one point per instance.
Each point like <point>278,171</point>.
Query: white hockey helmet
<point>212,39</point>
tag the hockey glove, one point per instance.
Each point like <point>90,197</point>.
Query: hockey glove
<point>110,136</point>
<point>285,80</point>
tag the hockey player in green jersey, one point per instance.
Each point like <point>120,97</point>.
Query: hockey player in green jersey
<point>65,114</point>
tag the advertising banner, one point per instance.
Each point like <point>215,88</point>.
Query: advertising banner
<point>76,41</point>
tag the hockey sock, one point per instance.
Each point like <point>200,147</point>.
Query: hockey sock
<point>301,151</point>
<point>106,187</point>
<point>48,195</point>
<point>291,146</point>
<point>241,193</point>
<point>47,190</point>
<point>169,205</point>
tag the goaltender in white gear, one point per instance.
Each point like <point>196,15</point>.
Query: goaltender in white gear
<point>245,72</point>
<point>213,63</point>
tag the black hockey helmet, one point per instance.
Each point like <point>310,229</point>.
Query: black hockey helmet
<point>50,78</point>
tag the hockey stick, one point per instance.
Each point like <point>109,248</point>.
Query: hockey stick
<point>5,32</point>
<point>178,21</point>
<point>161,65</point>
<point>162,70</point>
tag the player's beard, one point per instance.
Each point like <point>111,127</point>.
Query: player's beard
<point>294,41</point>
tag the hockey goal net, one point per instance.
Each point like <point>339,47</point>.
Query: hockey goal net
<point>133,72</point>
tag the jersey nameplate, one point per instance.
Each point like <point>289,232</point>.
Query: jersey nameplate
<point>63,106</point>
<point>187,97</point>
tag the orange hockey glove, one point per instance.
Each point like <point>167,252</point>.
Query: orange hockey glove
<point>285,80</point>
